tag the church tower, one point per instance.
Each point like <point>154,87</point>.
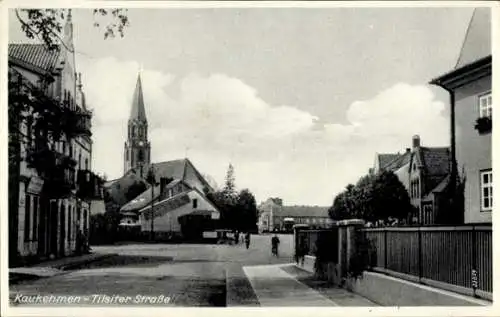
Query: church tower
<point>137,147</point>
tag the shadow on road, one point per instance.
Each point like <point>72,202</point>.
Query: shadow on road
<point>124,260</point>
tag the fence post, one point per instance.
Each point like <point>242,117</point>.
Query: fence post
<point>474,275</point>
<point>385,248</point>
<point>420,254</point>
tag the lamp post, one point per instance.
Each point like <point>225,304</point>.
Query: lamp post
<point>152,181</point>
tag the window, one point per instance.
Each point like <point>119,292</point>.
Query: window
<point>486,190</point>
<point>415,188</point>
<point>485,105</point>
<point>87,162</point>
<point>195,203</point>
<point>35,218</point>
<point>27,217</point>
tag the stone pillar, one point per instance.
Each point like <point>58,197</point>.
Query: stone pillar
<point>347,245</point>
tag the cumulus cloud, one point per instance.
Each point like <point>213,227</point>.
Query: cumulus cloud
<point>277,150</point>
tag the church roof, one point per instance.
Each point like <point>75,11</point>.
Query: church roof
<point>181,169</point>
<point>477,41</point>
<point>35,55</point>
<point>138,112</point>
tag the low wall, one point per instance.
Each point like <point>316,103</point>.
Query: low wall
<point>308,263</point>
<point>390,291</point>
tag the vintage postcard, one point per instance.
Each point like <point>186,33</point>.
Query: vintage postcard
<point>283,157</point>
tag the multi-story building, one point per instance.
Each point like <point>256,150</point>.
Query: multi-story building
<point>424,172</point>
<point>273,216</point>
<point>469,86</point>
<point>51,185</point>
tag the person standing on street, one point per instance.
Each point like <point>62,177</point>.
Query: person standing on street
<point>247,239</point>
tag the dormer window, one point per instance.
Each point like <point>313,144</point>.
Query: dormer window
<point>485,106</point>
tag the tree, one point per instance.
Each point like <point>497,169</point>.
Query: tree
<point>246,211</point>
<point>374,197</point>
<point>229,189</point>
<point>46,24</point>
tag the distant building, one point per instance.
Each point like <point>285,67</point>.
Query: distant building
<point>179,211</point>
<point>424,171</point>
<point>273,216</point>
<point>469,85</point>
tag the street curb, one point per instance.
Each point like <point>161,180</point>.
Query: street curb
<point>16,278</point>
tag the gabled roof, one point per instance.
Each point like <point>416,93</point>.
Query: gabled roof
<point>435,164</point>
<point>34,55</point>
<point>138,112</point>
<point>170,203</point>
<point>144,198</point>
<point>436,160</point>
<point>174,169</point>
<point>181,169</point>
<point>475,58</point>
<point>385,158</point>
<point>398,162</point>
<point>477,41</point>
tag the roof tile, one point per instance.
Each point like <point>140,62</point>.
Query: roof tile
<point>36,55</point>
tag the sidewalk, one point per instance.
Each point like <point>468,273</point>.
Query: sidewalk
<point>275,287</point>
<point>52,268</point>
<point>287,285</point>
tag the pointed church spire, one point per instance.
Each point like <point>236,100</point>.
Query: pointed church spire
<point>68,32</point>
<point>138,112</point>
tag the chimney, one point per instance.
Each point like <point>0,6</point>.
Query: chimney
<point>416,141</point>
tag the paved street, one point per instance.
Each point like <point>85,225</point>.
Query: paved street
<point>185,274</point>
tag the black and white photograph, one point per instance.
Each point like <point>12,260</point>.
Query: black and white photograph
<point>247,155</point>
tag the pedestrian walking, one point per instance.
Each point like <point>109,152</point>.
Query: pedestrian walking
<point>275,241</point>
<point>236,237</point>
<point>247,239</point>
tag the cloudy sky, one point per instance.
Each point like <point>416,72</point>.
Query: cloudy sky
<point>299,100</point>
